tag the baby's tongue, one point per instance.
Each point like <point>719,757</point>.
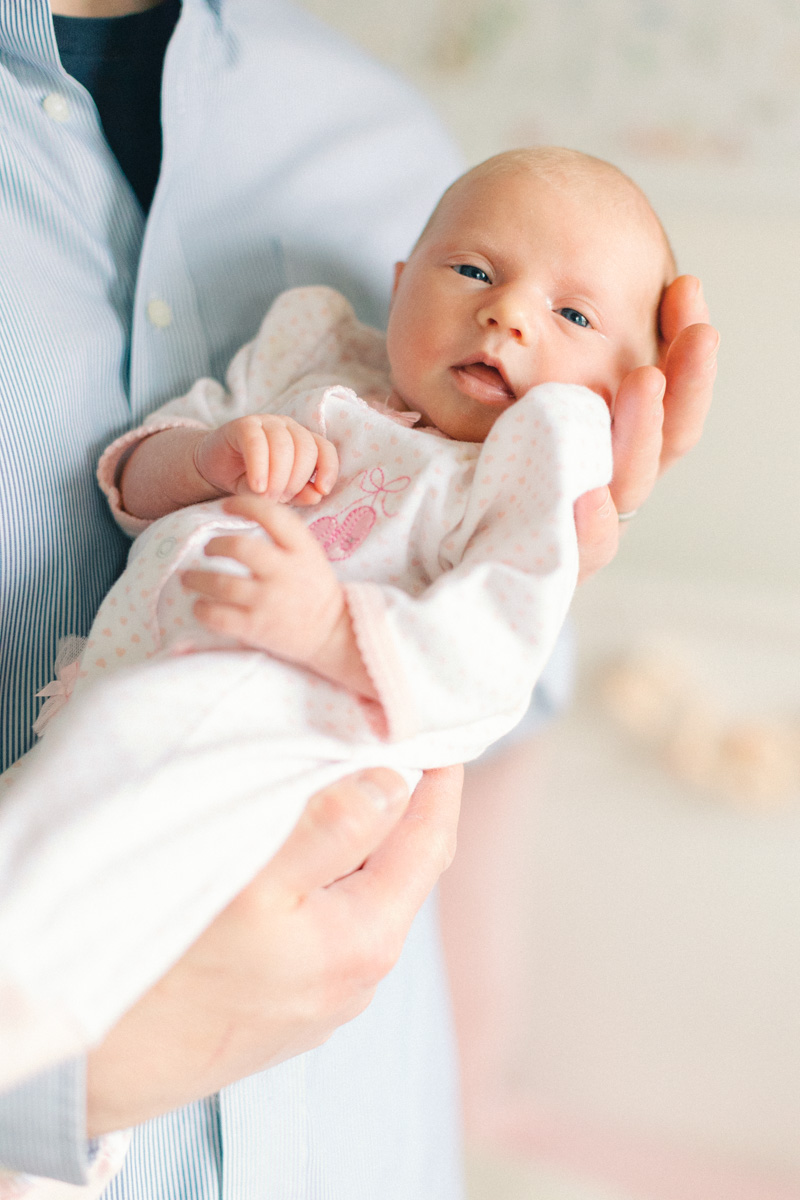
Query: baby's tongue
<point>488,375</point>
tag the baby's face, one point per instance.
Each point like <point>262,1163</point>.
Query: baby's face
<point>521,281</point>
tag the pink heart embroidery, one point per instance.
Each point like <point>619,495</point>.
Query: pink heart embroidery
<point>340,539</point>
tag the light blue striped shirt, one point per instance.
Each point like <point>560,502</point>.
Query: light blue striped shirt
<point>289,158</point>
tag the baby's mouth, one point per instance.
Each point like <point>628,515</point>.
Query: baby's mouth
<point>483,381</point>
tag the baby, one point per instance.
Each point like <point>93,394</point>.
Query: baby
<point>404,623</point>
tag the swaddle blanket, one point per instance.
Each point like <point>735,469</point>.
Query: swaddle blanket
<point>181,761</point>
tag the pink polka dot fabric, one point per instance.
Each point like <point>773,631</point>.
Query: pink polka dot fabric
<point>181,761</point>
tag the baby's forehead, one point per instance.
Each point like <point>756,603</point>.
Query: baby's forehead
<point>597,203</point>
<point>478,195</point>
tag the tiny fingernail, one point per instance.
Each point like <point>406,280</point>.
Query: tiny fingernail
<point>386,794</point>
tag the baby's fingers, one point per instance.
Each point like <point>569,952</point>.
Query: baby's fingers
<point>304,462</point>
<point>250,440</point>
<point>224,589</point>
<point>224,619</point>
<point>307,497</point>
<point>284,527</point>
<point>327,465</point>
<point>281,459</point>
<point>252,550</point>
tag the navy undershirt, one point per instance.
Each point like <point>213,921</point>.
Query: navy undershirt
<point>119,60</point>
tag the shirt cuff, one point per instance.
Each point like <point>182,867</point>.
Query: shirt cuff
<point>43,1124</point>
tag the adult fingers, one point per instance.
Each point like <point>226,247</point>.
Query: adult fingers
<point>597,527</point>
<point>339,828</point>
<point>398,875</point>
<point>690,368</point>
<point>689,349</point>
<point>636,437</point>
<point>682,304</point>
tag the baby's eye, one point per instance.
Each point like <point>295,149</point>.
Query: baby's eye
<point>471,272</point>
<point>572,314</point>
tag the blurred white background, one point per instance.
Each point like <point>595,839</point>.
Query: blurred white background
<point>663,1017</point>
<point>699,100</point>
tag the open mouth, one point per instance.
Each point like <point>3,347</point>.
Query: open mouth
<point>483,381</point>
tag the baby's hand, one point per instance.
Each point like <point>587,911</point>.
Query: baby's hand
<point>292,603</point>
<point>269,455</point>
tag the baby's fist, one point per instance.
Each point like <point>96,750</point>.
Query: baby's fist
<point>270,455</point>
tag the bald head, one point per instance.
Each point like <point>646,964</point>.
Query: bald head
<point>577,174</point>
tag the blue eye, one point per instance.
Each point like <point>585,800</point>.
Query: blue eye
<point>572,314</point>
<point>471,272</point>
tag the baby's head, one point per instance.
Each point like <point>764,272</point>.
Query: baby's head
<point>541,265</point>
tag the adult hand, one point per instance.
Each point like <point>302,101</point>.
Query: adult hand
<point>297,954</point>
<point>658,416</point>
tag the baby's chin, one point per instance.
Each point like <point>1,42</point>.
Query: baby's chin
<point>401,403</point>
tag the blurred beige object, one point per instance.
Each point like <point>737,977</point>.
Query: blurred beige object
<point>692,746</point>
<point>643,692</point>
<point>652,694</point>
<point>758,762</point>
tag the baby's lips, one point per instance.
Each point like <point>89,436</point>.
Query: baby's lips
<point>488,378</point>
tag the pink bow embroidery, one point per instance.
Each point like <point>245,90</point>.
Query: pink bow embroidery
<point>373,483</point>
<point>58,692</point>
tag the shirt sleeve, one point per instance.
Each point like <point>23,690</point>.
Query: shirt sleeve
<point>42,1124</point>
<point>44,1150</point>
<point>467,651</point>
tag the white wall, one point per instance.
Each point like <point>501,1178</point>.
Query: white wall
<point>729,513</point>
<point>664,985</point>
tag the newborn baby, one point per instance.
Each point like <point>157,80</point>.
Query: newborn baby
<point>403,623</point>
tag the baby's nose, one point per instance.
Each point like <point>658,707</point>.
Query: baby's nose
<point>506,313</point>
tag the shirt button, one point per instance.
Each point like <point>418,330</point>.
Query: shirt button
<point>56,106</point>
<point>159,314</point>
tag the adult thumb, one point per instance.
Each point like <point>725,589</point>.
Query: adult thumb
<point>339,828</point>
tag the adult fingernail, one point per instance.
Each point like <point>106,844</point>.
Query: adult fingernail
<point>384,791</point>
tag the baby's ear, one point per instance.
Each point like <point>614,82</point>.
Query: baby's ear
<point>398,271</point>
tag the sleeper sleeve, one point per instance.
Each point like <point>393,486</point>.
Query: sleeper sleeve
<point>468,650</point>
